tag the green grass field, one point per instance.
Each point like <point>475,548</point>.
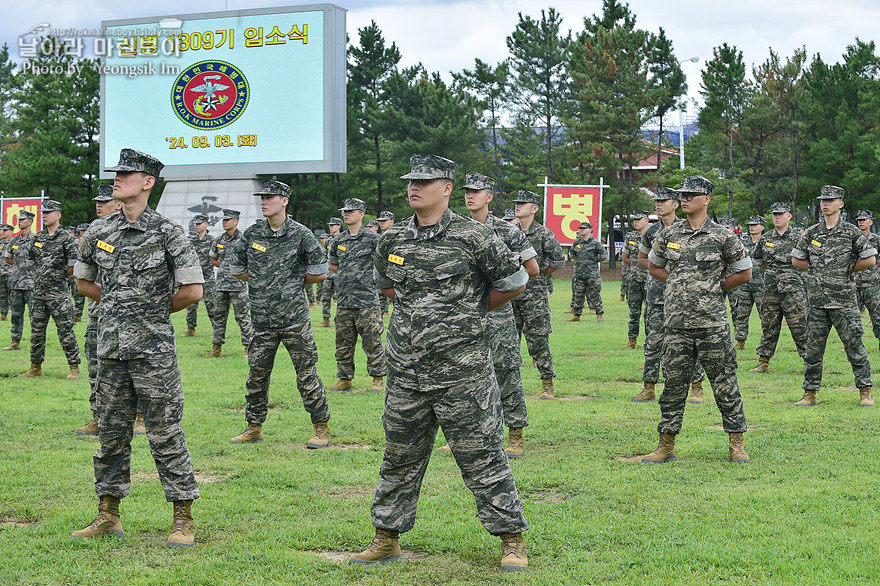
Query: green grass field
<point>804,511</point>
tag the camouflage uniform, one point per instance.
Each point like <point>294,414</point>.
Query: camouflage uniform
<point>138,265</point>
<point>696,319</point>
<point>21,282</point>
<point>79,300</point>
<point>586,280</point>
<point>5,289</point>
<point>438,359</point>
<point>868,281</point>
<point>751,293</point>
<point>357,310</point>
<point>277,263</point>
<point>202,247</point>
<point>328,285</point>
<point>625,271</point>
<point>638,280</point>
<point>230,291</point>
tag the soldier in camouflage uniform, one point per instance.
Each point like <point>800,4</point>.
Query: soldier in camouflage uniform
<point>79,300</point>
<point>638,275</point>
<point>202,242</point>
<point>625,270</point>
<point>319,286</point>
<point>868,281</point>
<point>357,309</point>
<point>587,253</point>
<point>386,220</point>
<point>373,226</point>
<point>328,287</point>
<point>5,237</point>
<point>698,259</point>
<point>21,277</point>
<point>784,295</point>
<point>532,309</point>
<point>752,292</point>
<point>510,217</point>
<point>832,250</point>
<point>443,272</point>
<point>229,290</point>
<point>276,256</point>
<point>52,255</point>
<point>131,263</point>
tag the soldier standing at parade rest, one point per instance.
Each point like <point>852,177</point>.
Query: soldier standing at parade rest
<point>750,293</point>
<point>5,237</point>
<point>386,220</point>
<point>230,291</point>
<point>277,256</point>
<point>587,253</point>
<point>202,242</point>
<point>784,295</point>
<point>667,201</point>
<point>444,273</point>
<point>21,278</point>
<point>357,308</point>
<point>868,281</point>
<point>638,275</point>
<point>698,260</point>
<point>104,206</point>
<point>832,250</point>
<point>131,263</point>
<point>328,287</point>
<point>532,308</point>
<point>79,300</point>
<point>51,255</point>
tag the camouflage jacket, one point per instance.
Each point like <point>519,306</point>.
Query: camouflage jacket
<point>773,251</point>
<point>549,254</point>
<point>441,276</point>
<point>637,273</point>
<point>21,277</point>
<point>220,250</point>
<point>831,254</point>
<point>50,256</point>
<point>757,281</point>
<point>698,262</point>
<point>203,247</point>
<point>586,255</point>
<point>276,264</point>
<point>4,246</point>
<point>331,276</point>
<point>138,265</point>
<point>353,255</point>
<point>870,276</point>
<point>655,290</point>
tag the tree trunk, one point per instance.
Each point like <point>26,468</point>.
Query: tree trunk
<point>659,150</point>
<point>730,177</point>
<point>378,173</point>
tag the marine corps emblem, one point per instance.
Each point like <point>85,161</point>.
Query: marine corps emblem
<point>210,95</point>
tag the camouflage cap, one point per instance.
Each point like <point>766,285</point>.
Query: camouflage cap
<point>664,193</point>
<point>478,181</point>
<point>865,215</point>
<point>523,196</point>
<point>799,226</point>
<point>319,233</point>
<point>639,215</point>
<point>105,193</point>
<point>335,222</point>
<point>82,227</point>
<point>831,192</point>
<point>430,167</point>
<point>132,160</point>
<point>51,205</point>
<point>273,187</point>
<point>780,207</point>
<point>26,215</point>
<point>353,203</point>
<point>756,221</point>
<point>696,184</point>
<point>229,214</point>
<point>6,227</point>
<point>585,226</point>
<point>373,224</point>
<point>726,222</point>
<point>385,216</point>
<point>200,218</point>
<point>509,214</point>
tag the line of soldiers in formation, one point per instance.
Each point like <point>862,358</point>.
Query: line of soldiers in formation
<point>450,278</point>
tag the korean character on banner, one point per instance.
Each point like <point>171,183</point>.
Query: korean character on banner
<point>296,35</point>
<point>149,45</point>
<point>276,37</point>
<point>102,46</point>
<point>73,46</point>
<point>253,37</point>
<point>27,48</point>
<point>128,47</point>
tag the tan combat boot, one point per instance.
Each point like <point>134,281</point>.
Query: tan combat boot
<point>321,439</point>
<point>246,355</point>
<point>74,372</point>
<point>36,369</point>
<point>575,317</point>
<point>15,345</point>
<point>3,317</point>
<point>665,451</point>
<point>763,365</point>
<point>867,399</point>
<point>189,333</point>
<point>646,395</point>
<point>252,433</point>
<point>383,549</point>
<point>183,532</point>
<point>622,298</point>
<point>696,392</point>
<point>78,319</point>
<point>738,453</point>
<point>513,552</point>
<point>216,351</point>
<point>569,310</point>
<point>808,400</point>
<point>516,446</point>
<point>90,428</point>
<point>631,345</point>
<point>546,388</point>
<point>106,523</point>
<point>342,384</point>
<point>446,450</point>
<point>378,384</point>
<point>740,344</point>
<point>140,428</point>
<point>600,317</point>
<point>325,323</point>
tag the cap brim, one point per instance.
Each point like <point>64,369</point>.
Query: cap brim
<point>422,176</point>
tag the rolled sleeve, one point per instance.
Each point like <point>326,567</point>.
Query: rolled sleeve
<point>381,281</point>
<point>513,282</point>
<point>527,254</point>
<point>237,270</point>
<point>85,271</point>
<point>71,262</point>
<point>318,269</point>
<point>656,260</point>
<point>868,253</point>
<point>188,276</point>
<point>740,265</point>
<point>798,254</point>
<point>30,262</point>
<point>556,264</point>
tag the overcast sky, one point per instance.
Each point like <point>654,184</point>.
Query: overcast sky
<point>447,36</point>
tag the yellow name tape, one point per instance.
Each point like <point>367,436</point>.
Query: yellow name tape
<point>673,245</point>
<point>15,247</point>
<point>38,244</point>
<point>817,244</point>
<point>258,247</point>
<point>342,248</point>
<point>220,246</point>
<point>770,244</point>
<point>398,260</point>
<point>104,246</point>
<point>633,242</point>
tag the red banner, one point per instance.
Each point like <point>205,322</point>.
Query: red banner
<point>12,207</point>
<point>565,207</point>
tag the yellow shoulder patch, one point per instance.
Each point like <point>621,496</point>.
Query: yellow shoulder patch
<point>104,246</point>
<point>673,245</point>
<point>258,247</point>
<point>398,260</point>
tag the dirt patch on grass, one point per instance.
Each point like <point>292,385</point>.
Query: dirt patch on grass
<point>348,491</point>
<point>545,496</point>
<point>272,407</point>
<point>352,446</point>
<point>341,557</point>
<point>201,477</point>
<point>751,427</point>
<point>13,522</point>
<point>575,398</point>
<point>637,459</point>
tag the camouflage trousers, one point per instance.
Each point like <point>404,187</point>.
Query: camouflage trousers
<point>17,300</point>
<point>79,300</point>
<point>744,302</point>
<point>155,383</point>
<point>655,335</point>
<point>506,362</point>
<point>589,287</point>
<point>774,306</point>
<point>328,292</point>
<point>365,322</point>
<point>471,422</point>
<point>624,282</point>
<point>209,293</point>
<point>61,312</point>
<point>240,303</point>
<point>635,297</point>
<point>549,279</point>
<point>731,300</point>
<point>90,348</point>
<point>384,303</point>
<point>714,348</point>
<point>300,344</point>
<point>5,294</point>
<point>309,292</point>
<point>848,324</point>
<point>869,293</point>
<point>533,321</point>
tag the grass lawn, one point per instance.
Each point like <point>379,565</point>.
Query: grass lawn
<point>804,511</point>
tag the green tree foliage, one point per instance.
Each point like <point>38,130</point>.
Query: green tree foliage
<point>523,162</point>
<point>668,82</point>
